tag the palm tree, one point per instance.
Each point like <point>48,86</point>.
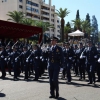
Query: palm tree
<point>28,21</point>
<point>62,14</point>
<point>77,23</point>
<point>45,27</point>
<point>15,16</point>
<point>85,27</point>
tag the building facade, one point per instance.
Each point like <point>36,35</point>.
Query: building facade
<point>34,9</point>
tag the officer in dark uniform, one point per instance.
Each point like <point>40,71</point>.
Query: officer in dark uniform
<point>81,62</point>
<point>76,61</point>
<point>9,50</point>
<point>64,66</point>
<point>90,53</point>
<point>98,63</point>
<point>14,61</point>
<point>23,57</point>
<point>35,55</point>
<point>68,57</point>
<point>55,61</point>
<point>3,55</point>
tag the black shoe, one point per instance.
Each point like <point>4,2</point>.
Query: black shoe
<point>90,83</point>
<point>98,81</point>
<point>56,97</point>
<point>25,79</point>
<point>52,96</point>
<point>80,79</point>
<point>35,79</point>
<point>15,79</point>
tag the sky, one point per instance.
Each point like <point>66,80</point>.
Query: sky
<point>85,6</point>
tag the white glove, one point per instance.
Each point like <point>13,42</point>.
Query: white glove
<point>27,60</point>
<point>8,53</point>
<point>99,60</point>
<point>70,58</point>
<point>41,57</point>
<point>8,58</point>
<point>12,53</point>
<point>61,69</point>
<point>81,57</point>
<point>2,56</point>
<point>84,56</point>
<point>5,59</point>
<point>95,56</point>
<point>36,57</point>
<point>15,59</point>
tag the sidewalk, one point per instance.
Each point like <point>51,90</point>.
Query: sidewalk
<point>30,90</point>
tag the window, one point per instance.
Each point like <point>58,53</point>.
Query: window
<point>28,8</point>
<point>20,0</point>
<point>57,21</point>
<point>28,2</point>
<point>20,6</point>
<point>34,4</point>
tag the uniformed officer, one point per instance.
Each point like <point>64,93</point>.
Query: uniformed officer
<point>3,55</point>
<point>35,55</point>
<point>90,53</point>
<point>76,60</point>
<point>14,61</point>
<point>98,63</point>
<point>9,50</point>
<point>55,61</point>
<point>81,62</point>
<point>64,66</point>
<point>23,57</point>
<point>68,58</point>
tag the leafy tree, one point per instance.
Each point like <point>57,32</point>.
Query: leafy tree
<point>88,19</point>
<point>77,15</point>
<point>77,18</point>
<point>62,14</point>
<point>95,27</point>
<point>67,29</point>
<point>85,27</point>
<point>77,23</point>
<point>15,16</point>
<point>28,21</point>
<point>45,26</point>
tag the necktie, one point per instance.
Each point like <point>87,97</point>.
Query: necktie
<point>53,48</point>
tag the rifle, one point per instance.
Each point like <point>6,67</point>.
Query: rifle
<point>14,44</point>
<point>8,44</point>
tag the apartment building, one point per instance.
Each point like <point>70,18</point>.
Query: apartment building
<point>34,9</point>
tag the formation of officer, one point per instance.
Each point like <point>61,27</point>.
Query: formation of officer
<point>23,57</point>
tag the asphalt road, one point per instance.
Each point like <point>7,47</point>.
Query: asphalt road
<point>31,90</point>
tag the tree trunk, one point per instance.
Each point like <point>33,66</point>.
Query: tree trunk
<point>62,29</point>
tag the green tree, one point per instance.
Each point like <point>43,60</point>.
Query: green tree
<point>15,16</point>
<point>28,21</point>
<point>62,14</point>
<point>77,18</point>
<point>77,15</point>
<point>45,27</point>
<point>77,23</point>
<point>85,27</point>
<point>67,29</point>
<point>88,18</point>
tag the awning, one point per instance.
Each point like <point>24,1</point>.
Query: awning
<point>15,30</point>
<point>76,33</point>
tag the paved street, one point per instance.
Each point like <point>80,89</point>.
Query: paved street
<point>30,90</point>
